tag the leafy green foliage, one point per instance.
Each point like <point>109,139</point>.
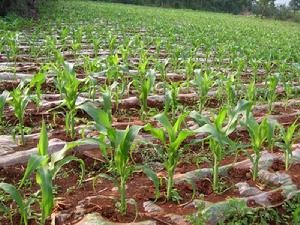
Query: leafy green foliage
<point>68,86</point>
<point>287,138</point>
<point>203,84</point>
<point>3,98</point>
<point>46,170</point>
<point>218,133</point>
<point>120,144</point>
<point>172,143</point>
<point>16,196</point>
<point>258,135</point>
<point>144,85</point>
<point>19,100</point>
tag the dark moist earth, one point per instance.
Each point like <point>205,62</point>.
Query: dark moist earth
<point>69,194</point>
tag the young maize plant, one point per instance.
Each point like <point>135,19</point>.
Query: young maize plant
<point>258,135</point>
<point>96,45</point>
<point>18,101</point>
<point>3,98</point>
<point>271,91</point>
<point>12,49</point>
<point>272,126</point>
<point>23,206</point>
<point>161,67</point>
<point>231,91</point>
<point>45,170</point>
<point>117,151</point>
<point>203,83</point>
<point>251,92</point>
<point>172,147</point>
<point>189,69</point>
<point>107,94</point>
<point>90,66</point>
<point>36,82</point>
<point>144,86</point>
<point>63,37</point>
<point>287,138</point>
<point>68,85</point>
<point>113,72</point>
<point>125,51</point>
<point>112,43</point>
<point>218,133</point>
<point>171,99</point>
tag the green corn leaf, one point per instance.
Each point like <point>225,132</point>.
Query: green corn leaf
<point>99,116</point>
<point>34,162</point>
<point>3,97</point>
<point>152,176</point>
<point>16,196</point>
<point>156,132</point>
<point>180,138</point>
<point>65,161</point>
<point>178,123</point>
<point>221,118</point>
<point>290,132</point>
<point>57,156</point>
<point>163,119</point>
<point>44,179</point>
<point>200,119</point>
<point>129,137</point>
<point>43,142</point>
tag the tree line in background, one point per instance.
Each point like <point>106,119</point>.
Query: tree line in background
<point>263,8</point>
<point>25,8</point>
<point>233,6</point>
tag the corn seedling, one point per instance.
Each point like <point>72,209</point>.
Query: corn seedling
<point>144,87</point>
<point>218,133</point>
<point>18,101</point>
<point>36,82</point>
<point>172,146</point>
<point>271,91</point>
<point>113,70</point>
<point>231,91</point>
<point>171,99</point>
<point>69,87</point>
<point>203,83</point>
<point>287,138</point>
<point>46,168</point>
<point>15,195</point>
<point>3,98</point>
<point>251,92</point>
<point>120,144</point>
<point>258,134</point>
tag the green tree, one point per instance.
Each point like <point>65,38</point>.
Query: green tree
<point>295,5</point>
<point>25,8</point>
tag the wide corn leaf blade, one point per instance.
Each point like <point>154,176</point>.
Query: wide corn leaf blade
<point>16,196</point>
<point>33,164</point>
<point>43,142</point>
<point>44,179</point>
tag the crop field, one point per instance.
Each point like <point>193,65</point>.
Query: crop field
<point>122,114</point>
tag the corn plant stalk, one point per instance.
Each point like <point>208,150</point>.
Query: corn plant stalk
<point>258,134</point>
<point>46,170</point>
<point>16,196</point>
<point>203,84</point>
<point>3,98</point>
<point>120,143</point>
<point>19,100</point>
<point>172,148</point>
<point>271,93</point>
<point>68,85</point>
<point>287,137</point>
<point>218,133</point>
